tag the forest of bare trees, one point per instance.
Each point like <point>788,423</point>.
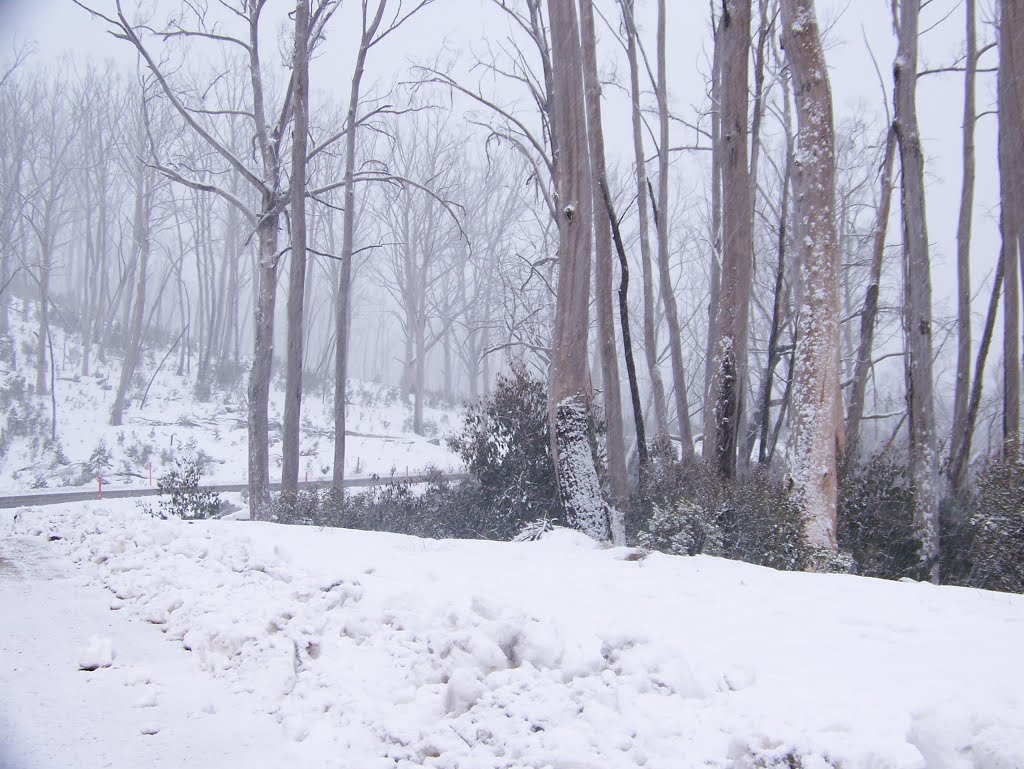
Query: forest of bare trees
<point>741,278</point>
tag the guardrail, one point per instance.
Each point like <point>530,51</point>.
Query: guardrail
<point>62,497</point>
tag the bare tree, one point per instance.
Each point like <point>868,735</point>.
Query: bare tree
<point>616,445</point>
<point>664,271</point>
<point>917,288</point>
<point>297,265</point>
<point>1011,188</point>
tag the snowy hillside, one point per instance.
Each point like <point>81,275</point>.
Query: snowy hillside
<point>243,644</point>
<point>174,423</point>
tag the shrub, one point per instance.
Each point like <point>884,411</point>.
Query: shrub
<point>505,444</point>
<point>437,508</point>
<point>993,556</point>
<point>184,497</point>
<point>876,517</point>
<point>688,509</point>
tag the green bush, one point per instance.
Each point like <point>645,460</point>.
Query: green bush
<point>876,517</point>
<point>505,444</point>
<point>688,509</point>
<point>181,495</point>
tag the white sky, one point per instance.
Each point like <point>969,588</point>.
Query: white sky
<point>59,28</point>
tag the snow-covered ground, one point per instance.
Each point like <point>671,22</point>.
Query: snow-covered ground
<point>173,423</point>
<point>246,644</point>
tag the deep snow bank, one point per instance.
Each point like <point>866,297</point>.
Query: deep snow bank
<point>390,650</point>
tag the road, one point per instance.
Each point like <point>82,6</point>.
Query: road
<point>111,492</point>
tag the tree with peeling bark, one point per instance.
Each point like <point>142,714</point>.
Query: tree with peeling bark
<point>816,434</point>
<point>722,412</point>
<point>569,409</point>
<point>917,292</point>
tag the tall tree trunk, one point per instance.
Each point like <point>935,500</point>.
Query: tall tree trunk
<point>618,480</point>
<point>917,296</point>
<point>667,289</point>
<point>1011,167</point>
<point>297,269</point>
<point>963,243</point>
<point>958,473</point>
<point>725,396</point>
<point>650,329</point>
<point>262,362</point>
<point>715,271</point>
<point>570,387</point>
<point>816,437</point>
<point>627,336</point>
<point>140,231</point>
<point>869,312</point>
<point>343,299</point>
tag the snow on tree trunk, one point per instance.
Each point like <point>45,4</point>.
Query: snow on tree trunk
<point>262,366</point>
<point>722,412</point>
<point>297,265</point>
<point>917,287</point>
<point>570,380</point>
<point>815,416</point>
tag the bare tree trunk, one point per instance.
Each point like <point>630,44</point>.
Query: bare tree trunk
<point>764,414</point>
<point>650,329</point>
<point>615,440</point>
<point>1011,288</point>
<point>869,312</point>
<point>1011,188</point>
<point>725,396</point>
<point>662,223</point>
<point>262,364</point>
<point>917,286</point>
<point>297,269</point>
<point>963,242</point>
<point>570,387</point>
<point>715,272</point>
<point>143,206</point>
<point>816,437</point>
<point>343,306</point>
<point>958,472</point>
<point>627,336</point>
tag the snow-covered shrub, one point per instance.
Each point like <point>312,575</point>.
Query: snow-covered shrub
<point>181,495</point>
<point>100,461</point>
<point>505,443</point>
<point>876,517</point>
<point>993,556</point>
<point>687,529</point>
<point>7,349</point>
<point>688,508</point>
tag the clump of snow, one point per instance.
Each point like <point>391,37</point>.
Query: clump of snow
<point>98,653</point>
<point>561,652</point>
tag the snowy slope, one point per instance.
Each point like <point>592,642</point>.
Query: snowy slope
<point>174,423</point>
<point>372,650</point>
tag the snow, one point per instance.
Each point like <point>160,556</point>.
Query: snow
<point>98,653</point>
<point>262,645</point>
<point>173,423</point>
